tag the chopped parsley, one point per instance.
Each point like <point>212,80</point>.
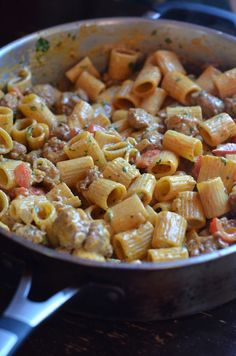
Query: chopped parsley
<point>89,140</point>
<point>33,108</point>
<point>85,152</point>
<point>191,129</point>
<point>42,45</point>
<point>158,162</point>
<point>168,40</point>
<point>125,169</point>
<point>29,131</point>
<point>223,160</point>
<point>154,32</point>
<point>131,65</point>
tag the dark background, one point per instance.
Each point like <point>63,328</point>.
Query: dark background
<point>21,17</point>
<point>66,333</point>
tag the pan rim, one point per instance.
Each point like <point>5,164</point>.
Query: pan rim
<point>144,266</point>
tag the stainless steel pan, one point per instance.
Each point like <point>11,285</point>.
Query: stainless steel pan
<point>122,291</point>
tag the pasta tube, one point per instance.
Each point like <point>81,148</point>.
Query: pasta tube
<point>85,64</point>
<point>20,129</point>
<point>126,215</point>
<point>37,135</point>
<point>22,209</point>
<point>106,138</point>
<point>163,206</point>
<point>4,226</point>
<point>86,255</point>
<point>119,115</point>
<point>94,212</point>
<point>165,164</point>
<point>180,111</point>
<point>206,79</point>
<point>179,86</point>
<point>84,144</point>
<point>91,85</point>
<point>218,129</point>
<point>74,170</point>
<point>6,118</point>
<point>167,254</point>
<point>214,198</point>
<point>226,83</point>
<point>22,81</point>
<point>185,146</point>
<point>152,215</point>
<point>121,63</point>
<point>133,244</point>
<point>169,230</point>
<point>147,81</point>
<point>213,167</point>
<point>188,205</point>
<point>143,186</point>
<point>6,143</point>
<point>168,187</point>
<point>34,107</point>
<point>62,193</point>
<point>101,120</point>
<point>44,214</point>
<point>125,99</point>
<point>119,149</point>
<point>81,115</point>
<point>4,203</point>
<point>7,174</point>
<point>153,102</point>
<point>105,193</point>
<point>168,61</point>
<point>119,170</point>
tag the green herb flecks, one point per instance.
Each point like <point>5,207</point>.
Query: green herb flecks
<point>154,32</point>
<point>223,160</point>
<point>125,169</point>
<point>131,65</point>
<point>168,40</point>
<point>42,45</point>
<point>158,162</point>
<point>33,108</point>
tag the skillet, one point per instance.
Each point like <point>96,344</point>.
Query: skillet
<point>119,291</point>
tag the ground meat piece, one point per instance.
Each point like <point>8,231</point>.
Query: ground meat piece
<point>18,151</point>
<point>185,124</point>
<point>46,172</point>
<point>155,139</point>
<point>10,100</point>
<point>68,229</point>
<point>66,103</point>
<point>32,156</point>
<point>140,119</point>
<point>204,244</point>
<point>230,106</point>
<point>92,175</point>
<point>211,105</point>
<point>62,132</point>
<point>98,240</point>
<point>53,150</point>
<point>30,233</point>
<point>48,93</point>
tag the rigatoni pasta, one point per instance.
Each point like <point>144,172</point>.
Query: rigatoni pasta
<point>135,163</point>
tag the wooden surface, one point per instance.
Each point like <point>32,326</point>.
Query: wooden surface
<point>212,333</point>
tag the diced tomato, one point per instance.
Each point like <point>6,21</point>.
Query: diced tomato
<point>226,236</point>
<point>213,225</point>
<point>227,148</point>
<point>147,158</point>
<point>196,167</point>
<point>22,175</point>
<point>94,128</point>
<point>74,132</point>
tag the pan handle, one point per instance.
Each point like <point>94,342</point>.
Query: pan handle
<point>199,14</point>
<point>23,315</point>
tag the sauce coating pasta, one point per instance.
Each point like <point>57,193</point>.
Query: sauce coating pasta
<point>128,165</point>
